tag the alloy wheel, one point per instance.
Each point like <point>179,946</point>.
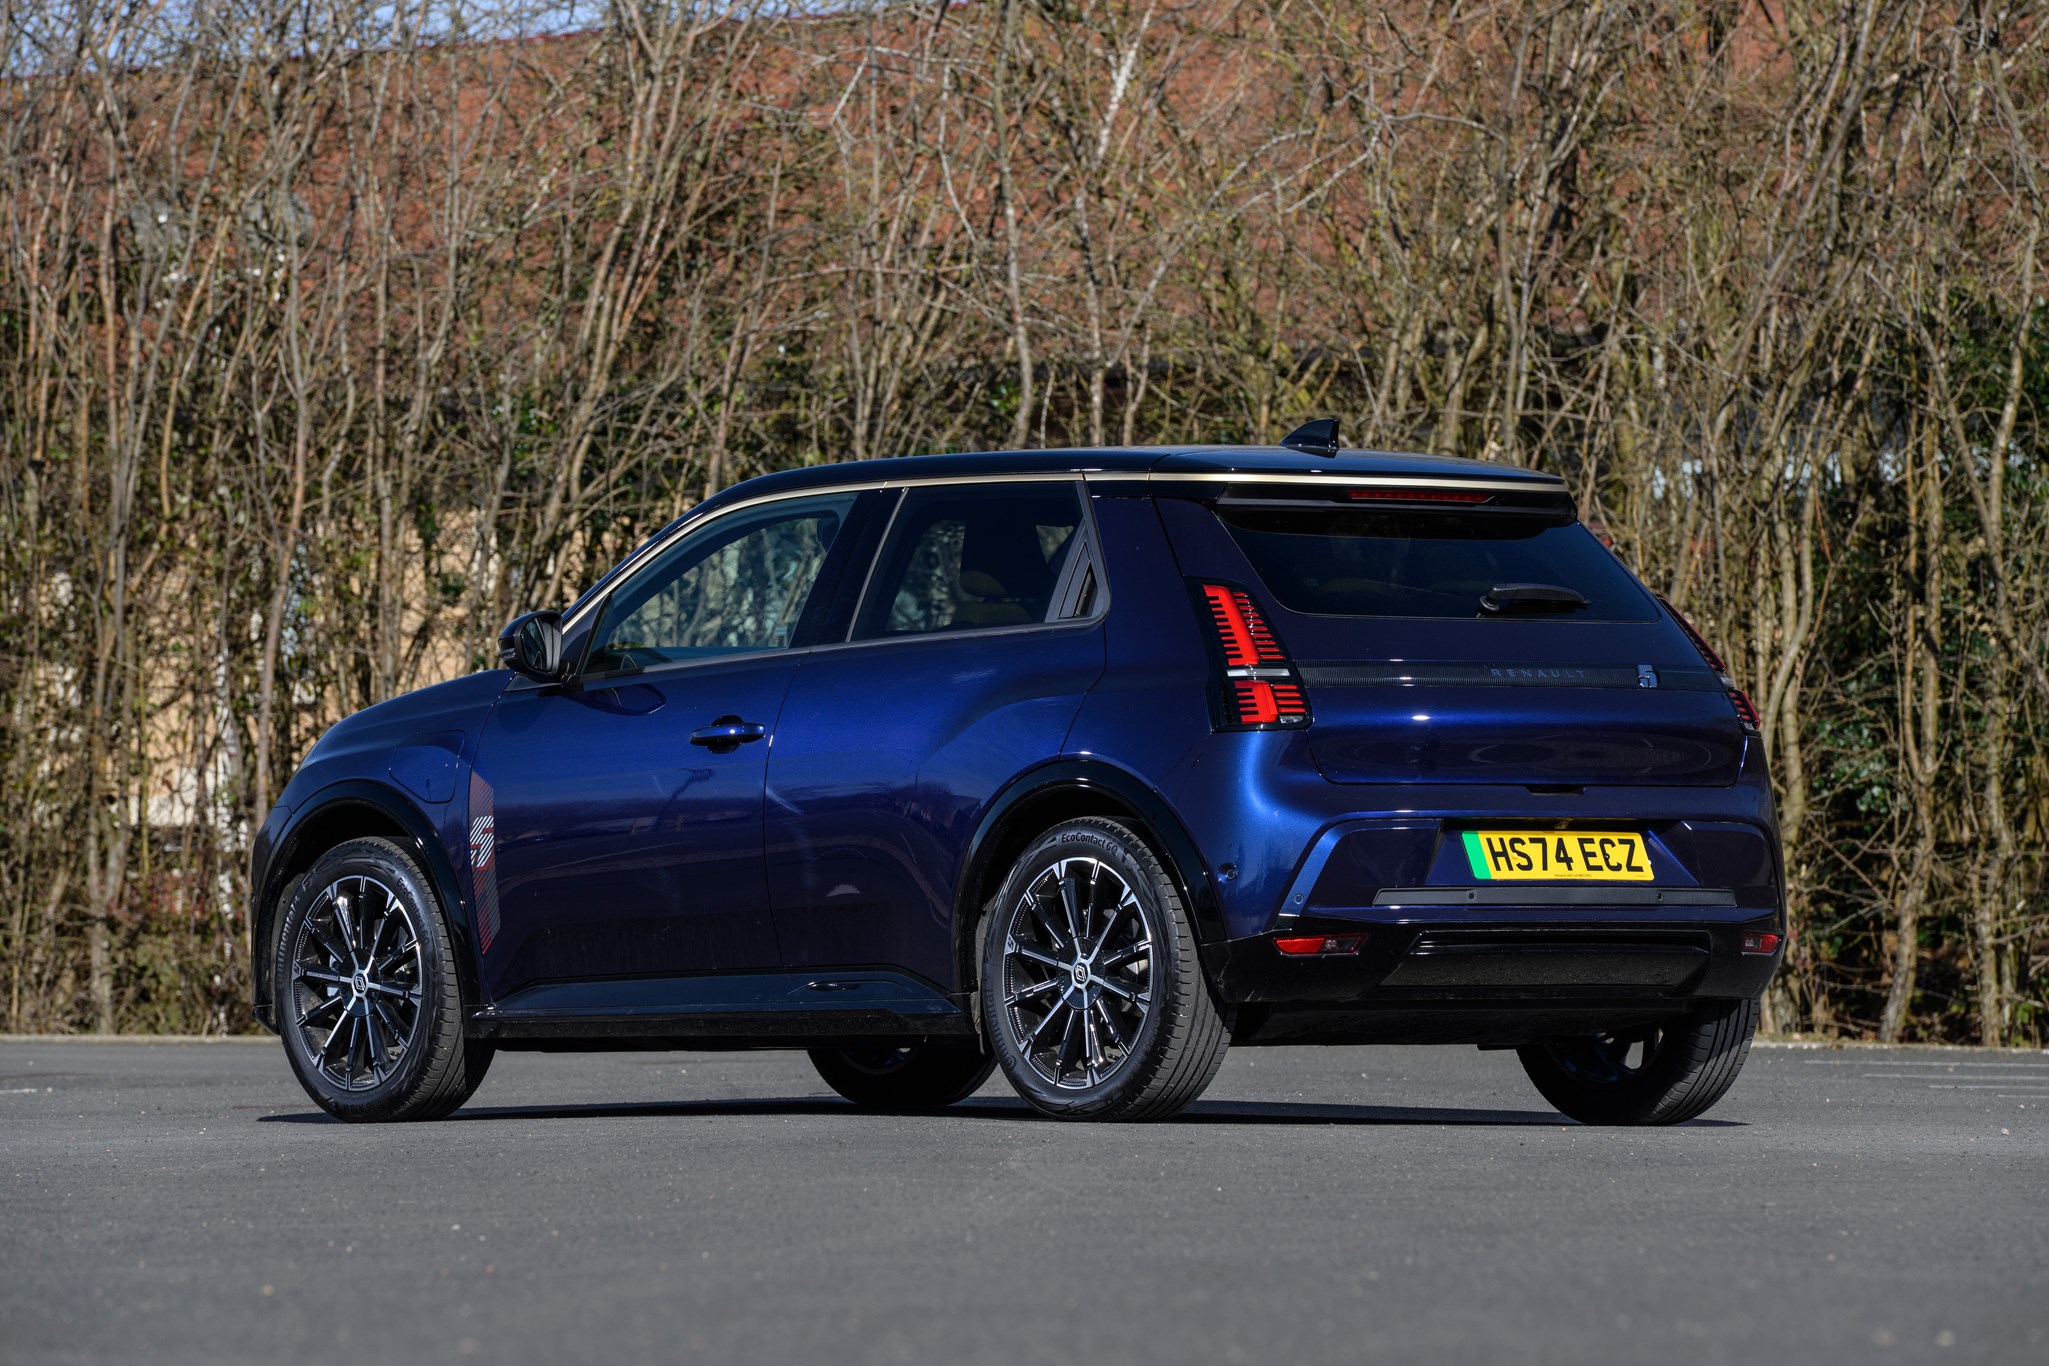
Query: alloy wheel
<point>1077,973</point>
<point>356,975</point>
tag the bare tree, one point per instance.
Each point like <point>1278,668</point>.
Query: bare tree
<point>331,337</point>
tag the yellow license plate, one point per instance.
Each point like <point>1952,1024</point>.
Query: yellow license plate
<point>1557,856</point>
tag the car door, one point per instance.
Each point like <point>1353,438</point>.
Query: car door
<point>978,634</point>
<point>621,831</point>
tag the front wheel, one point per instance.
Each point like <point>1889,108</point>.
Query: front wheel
<point>1093,997</point>
<point>1662,1073</point>
<point>913,1077</point>
<point>368,1000</point>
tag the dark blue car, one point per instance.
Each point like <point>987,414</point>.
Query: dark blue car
<point>1084,764</point>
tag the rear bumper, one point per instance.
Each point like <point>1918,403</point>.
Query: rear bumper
<point>1278,841</point>
<point>1490,976</point>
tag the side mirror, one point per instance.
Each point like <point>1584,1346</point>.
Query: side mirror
<point>532,646</point>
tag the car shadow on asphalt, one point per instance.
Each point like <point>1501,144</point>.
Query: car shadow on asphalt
<point>1208,1112</point>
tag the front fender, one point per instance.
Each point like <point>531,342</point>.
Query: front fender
<point>347,810</point>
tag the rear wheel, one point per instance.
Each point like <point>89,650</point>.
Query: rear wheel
<point>1661,1073</point>
<point>368,1000</point>
<point>1093,997</point>
<point>914,1077</point>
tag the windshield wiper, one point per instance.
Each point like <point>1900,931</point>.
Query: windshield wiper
<point>1521,599</point>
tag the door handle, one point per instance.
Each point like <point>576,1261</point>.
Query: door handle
<point>727,734</point>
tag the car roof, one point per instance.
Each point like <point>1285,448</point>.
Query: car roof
<point>1276,462</point>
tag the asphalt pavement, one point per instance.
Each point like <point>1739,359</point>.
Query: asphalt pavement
<point>166,1203</point>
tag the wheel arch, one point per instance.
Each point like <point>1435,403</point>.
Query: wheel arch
<point>1042,798</point>
<point>356,809</point>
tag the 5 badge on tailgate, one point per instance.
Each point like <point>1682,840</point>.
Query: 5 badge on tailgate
<point>1558,855</point>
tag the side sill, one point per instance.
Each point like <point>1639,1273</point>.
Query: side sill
<point>738,1010</point>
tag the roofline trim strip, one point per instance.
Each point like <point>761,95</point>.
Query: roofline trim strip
<point>1534,482</point>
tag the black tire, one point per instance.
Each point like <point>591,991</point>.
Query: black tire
<point>922,1077</point>
<point>1665,1073</point>
<point>373,1025</point>
<point>1140,1037</point>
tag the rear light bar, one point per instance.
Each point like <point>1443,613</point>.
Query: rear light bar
<point>1257,687</point>
<point>1320,945</point>
<point>1418,496</point>
<point>1740,700</point>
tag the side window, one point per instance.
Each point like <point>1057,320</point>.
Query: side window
<point>965,559</point>
<point>736,586</point>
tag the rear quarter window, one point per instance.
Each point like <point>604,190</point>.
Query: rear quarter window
<point>1427,564</point>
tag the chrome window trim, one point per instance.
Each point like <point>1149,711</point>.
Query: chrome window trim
<point>1089,622</point>
<point>519,686</point>
<point>599,682</point>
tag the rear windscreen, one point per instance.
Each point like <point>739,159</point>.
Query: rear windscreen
<point>1425,564</point>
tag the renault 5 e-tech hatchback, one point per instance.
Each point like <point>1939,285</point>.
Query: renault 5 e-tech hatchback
<point>1082,764</point>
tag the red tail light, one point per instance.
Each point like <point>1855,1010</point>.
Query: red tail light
<point>1259,688</point>
<point>1760,943</point>
<point>1320,945</point>
<point>1745,713</point>
<point>1740,700</point>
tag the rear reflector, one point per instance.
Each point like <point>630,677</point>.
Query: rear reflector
<point>1257,687</point>
<point>1760,943</point>
<point>1417,496</point>
<point>1321,945</point>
